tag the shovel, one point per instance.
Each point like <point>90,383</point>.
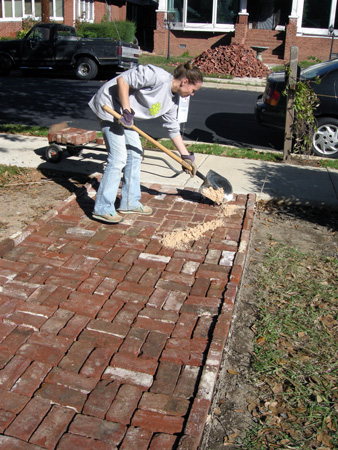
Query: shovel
<point>212,179</point>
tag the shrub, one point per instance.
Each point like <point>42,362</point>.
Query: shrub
<point>123,30</point>
<point>27,24</point>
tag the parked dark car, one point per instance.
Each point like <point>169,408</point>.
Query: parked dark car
<point>270,107</point>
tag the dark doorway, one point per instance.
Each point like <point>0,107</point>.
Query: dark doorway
<point>268,14</point>
<point>144,16</point>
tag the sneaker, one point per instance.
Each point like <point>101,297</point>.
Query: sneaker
<point>145,210</point>
<point>108,218</point>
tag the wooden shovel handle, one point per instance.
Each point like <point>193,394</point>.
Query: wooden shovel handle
<point>150,139</point>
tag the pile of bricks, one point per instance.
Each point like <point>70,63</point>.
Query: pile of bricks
<point>236,60</point>
<point>108,339</point>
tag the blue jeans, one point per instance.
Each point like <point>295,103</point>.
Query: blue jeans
<point>124,154</point>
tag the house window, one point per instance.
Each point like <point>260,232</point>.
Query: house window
<point>85,10</point>
<point>227,11</point>
<point>206,15</point>
<point>199,11</point>
<point>28,7</point>
<point>19,9</point>
<point>314,18</point>
<point>176,6</point>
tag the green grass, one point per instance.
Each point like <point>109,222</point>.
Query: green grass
<point>220,150</point>
<point>23,129</point>
<point>295,358</point>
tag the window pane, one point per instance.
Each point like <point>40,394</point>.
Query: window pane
<point>18,8</point>
<point>336,20</point>
<point>8,8</point>
<point>28,7</point>
<point>199,11</point>
<point>227,11</point>
<point>37,8</point>
<point>59,8</point>
<point>177,6</point>
<point>316,13</point>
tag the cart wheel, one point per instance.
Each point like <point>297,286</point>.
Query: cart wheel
<point>74,150</point>
<point>53,153</point>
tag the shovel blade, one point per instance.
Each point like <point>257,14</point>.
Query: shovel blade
<point>216,181</point>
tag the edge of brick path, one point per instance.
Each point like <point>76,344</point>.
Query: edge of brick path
<point>192,433</point>
<point>197,417</point>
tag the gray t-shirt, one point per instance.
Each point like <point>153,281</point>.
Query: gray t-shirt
<point>150,96</point>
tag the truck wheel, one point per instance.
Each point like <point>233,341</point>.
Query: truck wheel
<point>5,65</point>
<point>86,69</point>
<point>53,153</point>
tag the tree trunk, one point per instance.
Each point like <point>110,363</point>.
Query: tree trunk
<point>45,11</point>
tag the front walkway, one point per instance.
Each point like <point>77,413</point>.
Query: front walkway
<point>110,339</point>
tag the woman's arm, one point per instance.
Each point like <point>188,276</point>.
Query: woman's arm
<point>123,91</point>
<point>179,144</point>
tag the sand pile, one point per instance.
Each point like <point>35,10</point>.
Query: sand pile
<point>181,238</point>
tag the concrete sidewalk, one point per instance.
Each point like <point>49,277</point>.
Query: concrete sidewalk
<point>266,180</point>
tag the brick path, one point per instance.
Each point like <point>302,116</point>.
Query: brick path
<point>108,339</point>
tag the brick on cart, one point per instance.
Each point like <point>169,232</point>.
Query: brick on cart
<point>73,136</point>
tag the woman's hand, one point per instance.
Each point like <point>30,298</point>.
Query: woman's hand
<point>190,160</point>
<point>127,118</point>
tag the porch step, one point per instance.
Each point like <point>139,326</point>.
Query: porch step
<point>272,39</point>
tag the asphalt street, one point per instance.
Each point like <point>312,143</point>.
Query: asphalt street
<point>224,116</point>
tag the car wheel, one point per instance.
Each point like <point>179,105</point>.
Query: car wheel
<point>86,69</point>
<point>5,65</point>
<point>325,139</point>
<point>53,153</point>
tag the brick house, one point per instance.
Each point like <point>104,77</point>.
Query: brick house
<point>195,25</point>
<point>64,11</point>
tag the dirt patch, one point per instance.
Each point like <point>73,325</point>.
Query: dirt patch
<point>304,228</point>
<point>27,196</point>
<point>308,229</point>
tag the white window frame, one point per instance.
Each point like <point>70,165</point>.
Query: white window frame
<point>85,11</point>
<point>315,31</point>
<point>24,15</point>
<point>214,26</point>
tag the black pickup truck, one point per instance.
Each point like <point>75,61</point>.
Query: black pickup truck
<point>56,46</point>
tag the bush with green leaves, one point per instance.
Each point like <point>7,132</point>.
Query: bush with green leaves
<point>122,30</point>
<point>304,123</point>
<point>27,24</point>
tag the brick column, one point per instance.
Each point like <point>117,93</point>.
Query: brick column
<point>241,28</point>
<point>290,37</point>
<point>68,13</point>
<point>160,34</point>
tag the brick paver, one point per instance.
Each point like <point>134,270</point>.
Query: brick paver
<point>108,339</point>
